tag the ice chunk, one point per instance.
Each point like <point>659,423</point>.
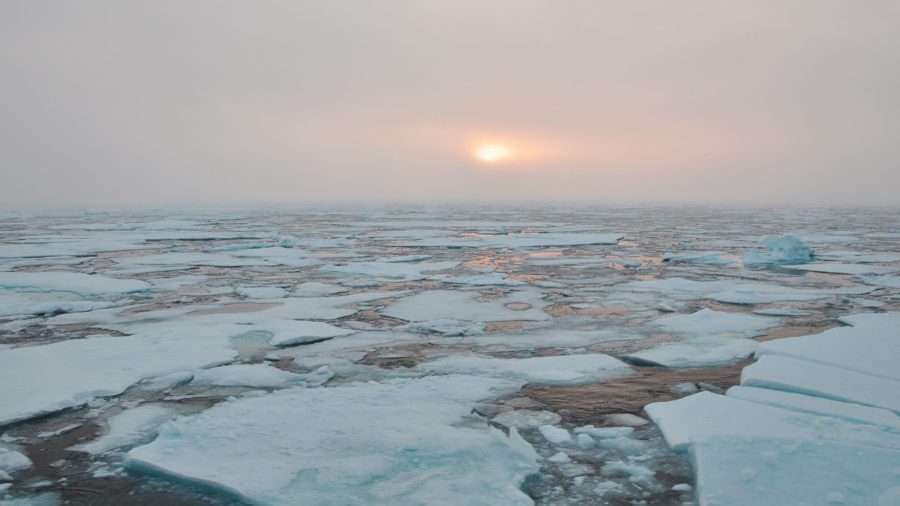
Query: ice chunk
<point>800,376</point>
<point>12,461</point>
<point>129,427</point>
<point>317,289</point>
<point>399,442</point>
<point>559,458</point>
<point>708,413</point>
<point>698,352</point>
<point>708,322</point>
<point>869,346</point>
<point>458,305</point>
<point>558,370</point>
<point>526,418</point>
<point>636,473</point>
<point>787,471</point>
<point>604,432</point>
<point>290,332</point>
<point>85,284</point>
<point>783,249</point>
<point>82,369</point>
<point>245,375</point>
<point>555,435</point>
<point>817,405</point>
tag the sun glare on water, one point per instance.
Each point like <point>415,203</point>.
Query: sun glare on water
<point>493,153</point>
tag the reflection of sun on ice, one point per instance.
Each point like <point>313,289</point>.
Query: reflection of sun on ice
<point>490,153</point>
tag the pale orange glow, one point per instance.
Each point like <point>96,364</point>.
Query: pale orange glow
<point>492,153</point>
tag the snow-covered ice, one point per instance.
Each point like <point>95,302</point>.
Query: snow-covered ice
<point>800,376</point>
<point>394,442</point>
<point>761,471</point>
<point>245,375</point>
<point>558,370</point>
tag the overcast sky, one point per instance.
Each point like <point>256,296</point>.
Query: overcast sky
<point>316,102</point>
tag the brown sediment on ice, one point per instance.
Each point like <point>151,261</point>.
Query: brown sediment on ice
<point>585,404</point>
<point>561,310</point>
<point>503,326</point>
<point>240,307</point>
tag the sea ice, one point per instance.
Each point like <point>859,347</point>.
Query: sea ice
<point>787,471</point>
<point>697,352</point>
<point>12,461</point>
<point>461,305</point>
<point>260,292</point>
<point>514,241</point>
<point>78,370</point>
<point>817,406</point>
<point>870,345</point>
<point>245,375</point>
<point>446,327</point>
<point>128,428</point>
<point>390,271</point>
<point>84,284</point>
<point>291,332</point>
<point>317,289</point>
<point>555,435</point>
<point>809,378</point>
<point>708,322</point>
<point>492,279</point>
<point>708,413</point>
<point>841,268</point>
<point>526,418</point>
<point>554,370</point>
<point>400,442</point>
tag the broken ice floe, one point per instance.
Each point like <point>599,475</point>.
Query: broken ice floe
<point>395,442</point>
<point>807,407</point>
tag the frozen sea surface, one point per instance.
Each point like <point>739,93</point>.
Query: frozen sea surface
<point>450,356</point>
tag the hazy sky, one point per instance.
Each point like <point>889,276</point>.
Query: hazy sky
<point>108,103</point>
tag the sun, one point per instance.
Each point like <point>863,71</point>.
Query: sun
<point>493,153</point>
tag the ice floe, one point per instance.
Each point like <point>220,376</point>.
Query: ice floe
<point>399,442</point>
<point>760,471</point>
<point>75,282</point>
<point>245,375</point>
<point>800,376</point>
<point>870,345</point>
<point>557,370</point>
<point>390,271</point>
<point>129,427</point>
<point>459,305</point>
<point>77,371</point>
